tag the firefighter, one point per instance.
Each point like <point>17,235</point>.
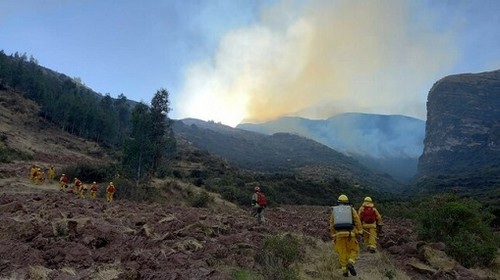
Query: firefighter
<point>259,204</point>
<point>93,190</point>
<point>51,173</point>
<point>77,186</point>
<point>371,221</point>
<point>83,191</point>
<point>39,176</point>
<point>63,182</point>
<point>33,172</point>
<point>346,230</point>
<point>110,192</point>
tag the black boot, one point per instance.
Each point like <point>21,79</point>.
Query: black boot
<point>351,269</point>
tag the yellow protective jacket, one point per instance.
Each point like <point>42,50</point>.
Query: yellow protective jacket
<point>358,229</point>
<point>377,214</point>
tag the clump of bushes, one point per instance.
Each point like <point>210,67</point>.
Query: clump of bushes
<point>200,200</point>
<point>463,225</point>
<point>128,189</point>
<point>90,171</point>
<point>278,255</point>
<point>8,155</point>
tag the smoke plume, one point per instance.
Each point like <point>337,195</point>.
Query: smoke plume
<point>319,58</point>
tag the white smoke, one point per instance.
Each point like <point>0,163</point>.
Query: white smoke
<point>320,58</point>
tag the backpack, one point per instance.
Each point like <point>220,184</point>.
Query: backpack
<point>368,215</point>
<point>261,199</point>
<point>342,217</point>
<point>111,188</point>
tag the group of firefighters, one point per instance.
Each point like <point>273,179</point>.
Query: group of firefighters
<point>38,175</point>
<point>79,188</point>
<point>348,227</point>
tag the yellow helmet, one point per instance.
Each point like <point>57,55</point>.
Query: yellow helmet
<point>111,183</point>
<point>368,199</point>
<point>343,198</point>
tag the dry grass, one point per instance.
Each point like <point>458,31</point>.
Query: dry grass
<point>106,272</point>
<point>322,263</point>
<point>492,271</point>
<point>177,192</point>
<point>38,272</point>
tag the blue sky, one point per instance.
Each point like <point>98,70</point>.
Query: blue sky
<point>254,60</point>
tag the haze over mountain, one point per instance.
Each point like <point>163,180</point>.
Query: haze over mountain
<point>386,143</point>
<point>280,152</point>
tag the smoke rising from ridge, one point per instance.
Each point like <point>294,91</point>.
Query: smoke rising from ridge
<point>319,58</point>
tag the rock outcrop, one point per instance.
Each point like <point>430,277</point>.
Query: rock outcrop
<point>463,128</point>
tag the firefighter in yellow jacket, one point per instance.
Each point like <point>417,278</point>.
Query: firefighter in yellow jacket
<point>51,173</point>
<point>83,191</point>
<point>77,186</point>
<point>110,192</point>
<point>33,172</point>
<point>371,221</point>
<point>345,228</point>
<point>93,190</point>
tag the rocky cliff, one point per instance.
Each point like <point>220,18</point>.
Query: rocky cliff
<point>463,129</point>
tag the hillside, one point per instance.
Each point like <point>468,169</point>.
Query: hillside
<point>281,152</point>
<point>385,143</point>
<point>27,139</point>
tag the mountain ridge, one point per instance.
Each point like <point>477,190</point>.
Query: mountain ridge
<point>279,152</point>
<point>386,143</point>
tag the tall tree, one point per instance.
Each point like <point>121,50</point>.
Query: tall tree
<point>151,137</point>
<point>138,148</point>
<point>160,125</point>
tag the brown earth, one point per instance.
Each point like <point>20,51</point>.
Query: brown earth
<point>54,235</point>
<point>47,234</point>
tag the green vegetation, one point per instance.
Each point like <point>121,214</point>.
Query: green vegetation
<point>278,254</point>
<point>8,155</point>
<point>241,274</point>
<point>151,141</point>
<point>200,200</point>
<point>90,171</point>
<point>463,225</point>
<point>67,102</point>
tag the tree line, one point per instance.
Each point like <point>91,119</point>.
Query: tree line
<point>141,132</point>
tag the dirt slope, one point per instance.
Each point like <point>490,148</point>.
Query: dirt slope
<point>47,234</point>
<point>23,130</point>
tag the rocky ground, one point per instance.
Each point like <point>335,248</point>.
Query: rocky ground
<point>47,234</point>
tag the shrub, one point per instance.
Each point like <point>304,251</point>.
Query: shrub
<point>130,190</point>
<point>241,274</point>
<point>200,200</point>
<point>163,172</point>
<point>177,174</point>
<point>469,249</point>
<point>90,171</point>
<point>278,254</point>
<point>8,155</point>
<point>462,225</point>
